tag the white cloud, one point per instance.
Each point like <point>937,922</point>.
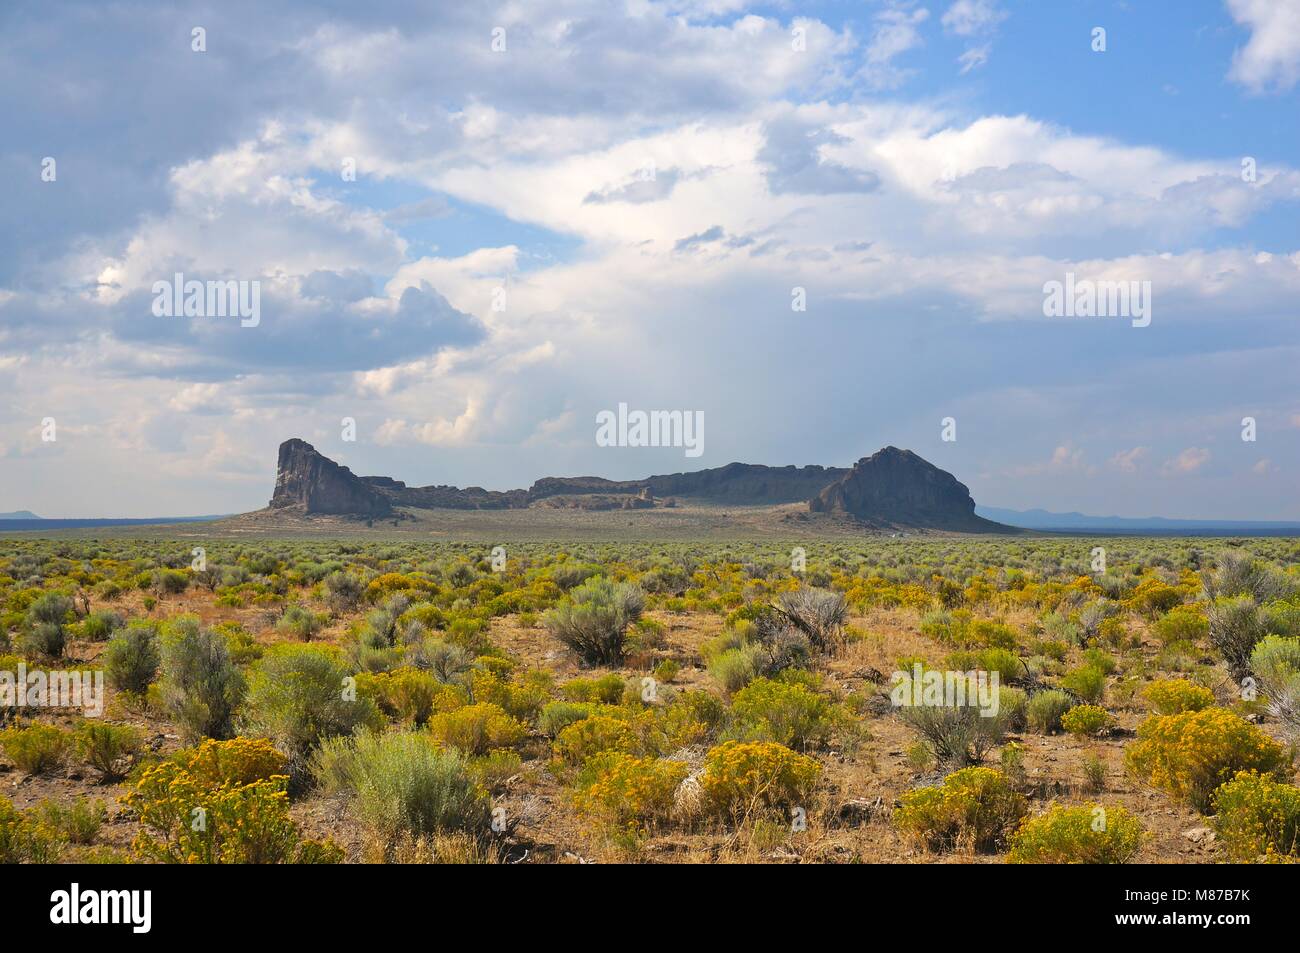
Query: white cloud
<point>972,17</point>
<point>1270,60</point>
<point>895,32</point>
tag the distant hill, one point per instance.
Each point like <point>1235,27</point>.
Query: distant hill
<point>19,515</point>
<point>1082,523</point>
<point>37,523</point>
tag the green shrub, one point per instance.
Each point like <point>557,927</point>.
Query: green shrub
<point>735,668</point>
<point>972,809</point>
<point>131,659</point>
<point>1013,707</point>
<point>297,695</point>
<point>402,783</point>
<point>107,748</point>
<point>819,614</point>
<point>1182,624</point>
<point>557,716</point>
<point>170,581</point>
<point>607,689</point>
<point>200,686</point>
<point>1101,660</point>
<point>1235,624</point>
<point>1077,835</point>
<point>957,734</point>
<point>99,626</point>
<point>43,639</point>
<point>1086,682</point>
<point>77,822</point>
<point>343,591</point>
<point>594,623</point>
<point>1276,664</point>
<point>299,623</point>
<point>35,748</point>
<point>1044,711</point>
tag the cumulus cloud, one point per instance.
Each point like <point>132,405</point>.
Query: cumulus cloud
<point>794,164</point>
<point>922,230</point>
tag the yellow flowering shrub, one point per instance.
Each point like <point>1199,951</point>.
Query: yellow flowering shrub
<point>1183,624</point>
<point>1151,597</point>
<point>743,776</point>
<point>1172,696</point>
<point>630,794</point>
<point>409,695</point>
<point>27,836</point>
<point>1258,818</point>
<point>194,819</point>
<point>973,809</point>
<point>788,714</point>
<point>1192,753</point>
<point>522,694</point>
<point>1077,835</point>
<point>591,736</point>
<point>476,729</point>
<point>1085,720</point>
<point>237,761</point>
<point>391,582</point>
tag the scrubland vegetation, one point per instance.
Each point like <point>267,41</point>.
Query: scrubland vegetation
<point>345,701</point>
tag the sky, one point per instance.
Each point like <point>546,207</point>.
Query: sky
<point>823,227</point>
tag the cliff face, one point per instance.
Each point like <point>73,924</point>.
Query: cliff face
<point>313,483</point>
<point>895,487</point>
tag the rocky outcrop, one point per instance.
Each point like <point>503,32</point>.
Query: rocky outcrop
<point>307,481</point>
<point>447,497</point>
<point>892,488</point>
<point>741,484</point>
<point>895,487</point>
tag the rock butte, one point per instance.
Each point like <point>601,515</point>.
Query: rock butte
<point>890,488</point>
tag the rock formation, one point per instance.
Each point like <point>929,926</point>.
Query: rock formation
<point>895,487</point>
<point>892,488</point>
<point>307,481</point>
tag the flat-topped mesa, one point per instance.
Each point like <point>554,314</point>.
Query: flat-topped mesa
<point>895,487</point>
<point>307,481</point>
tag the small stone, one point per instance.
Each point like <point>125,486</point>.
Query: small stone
<point>1199,835</point>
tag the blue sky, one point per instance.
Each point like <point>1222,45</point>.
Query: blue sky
<point>619,206</point>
